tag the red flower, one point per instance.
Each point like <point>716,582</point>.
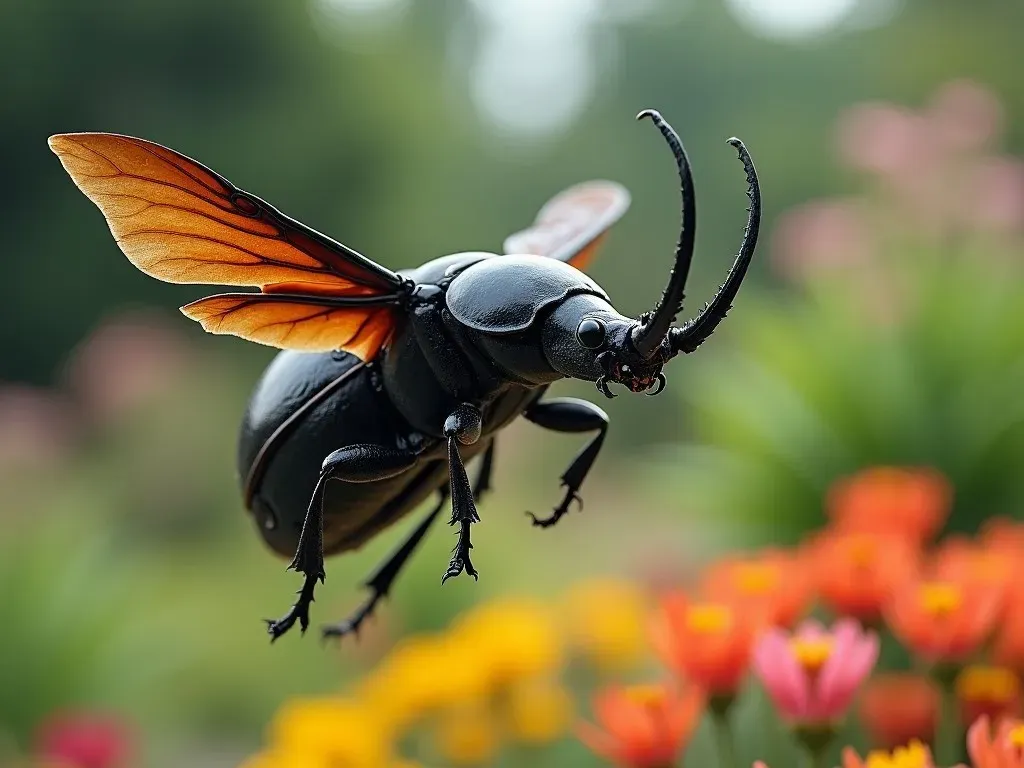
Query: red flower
<point>773,584</point>
<point>943,620</point>
<point>857,573</point>
<point>912,503</point>
<point>708,644</point>
<point>897,708</point>
<point>83,741</point>
<point>643,726</point>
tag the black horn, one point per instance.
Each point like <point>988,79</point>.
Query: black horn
<point>690,336</point>
<point>647,338</point>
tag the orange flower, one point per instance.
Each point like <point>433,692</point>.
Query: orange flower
<point>988,691</point>
<point>707,643</point>
<point>1003,534</point>
<point>1008,648</point>
<point>914,755</point>
<point>943,620</point>
<point>966,562</point>
<point>643,726</point>
<point>857,573</point>
<point>899,707</point>
<point>908,502</point>
<point>1002,751</point>
<point>773,585</point>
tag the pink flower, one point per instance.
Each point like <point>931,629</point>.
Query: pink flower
<point>812,674</point>
<point>84,740</point>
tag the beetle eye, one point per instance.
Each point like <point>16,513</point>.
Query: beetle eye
<point>590,333</point>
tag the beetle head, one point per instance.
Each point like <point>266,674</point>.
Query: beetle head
<point>585,338</point>
<point>632,352</point>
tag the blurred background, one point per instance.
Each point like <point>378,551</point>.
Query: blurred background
<point>883,320</point>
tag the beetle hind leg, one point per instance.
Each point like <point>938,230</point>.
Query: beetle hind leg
<point>567,414</point>
<point>357,464</point>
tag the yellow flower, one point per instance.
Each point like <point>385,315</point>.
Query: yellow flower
<point>466,734</point>
<point>509,640</point>
<point>326,731</point>
<point>538,711</point>
<point>420,675</point>
<point>605,620</point>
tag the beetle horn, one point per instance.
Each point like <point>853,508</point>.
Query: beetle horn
<point>654,327</point>
<point>690,336</point>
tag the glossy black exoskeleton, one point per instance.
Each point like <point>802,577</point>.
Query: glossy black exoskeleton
<point>392,381</point>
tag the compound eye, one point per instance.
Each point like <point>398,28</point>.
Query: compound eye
<point>590,333</point>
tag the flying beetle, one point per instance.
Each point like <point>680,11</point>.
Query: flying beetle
<point>390,382</point>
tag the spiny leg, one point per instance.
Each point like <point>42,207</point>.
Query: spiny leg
<point>462,426</point>
<point>384,577</point>
<point>567,414</point>
<point>362,463</point>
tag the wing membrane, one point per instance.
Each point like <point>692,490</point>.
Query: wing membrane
<point>571,226</point>
<point>297,322</point>
<point>178,221</point>
<point>181,222</point>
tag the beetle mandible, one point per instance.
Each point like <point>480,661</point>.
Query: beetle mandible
<point>391,381</point>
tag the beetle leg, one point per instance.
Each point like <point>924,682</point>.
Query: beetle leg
<point>463,426</point>
<point>362,463</point>
<point>567,414</point>
<point>383,578</point>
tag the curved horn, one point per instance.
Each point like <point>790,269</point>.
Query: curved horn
<point>648,336</point>
<point>690,336</point>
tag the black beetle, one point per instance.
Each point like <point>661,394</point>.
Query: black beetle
<point>392,380</point>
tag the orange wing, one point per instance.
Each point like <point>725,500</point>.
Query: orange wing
<point>179,221</point>
<point>571,226</point>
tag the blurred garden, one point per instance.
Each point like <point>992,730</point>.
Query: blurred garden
<point>841,461</point>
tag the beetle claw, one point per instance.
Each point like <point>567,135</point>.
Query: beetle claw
<point>602,385</point>
<point>660,384</point>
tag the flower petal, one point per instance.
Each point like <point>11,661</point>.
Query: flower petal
<point>781,674</point>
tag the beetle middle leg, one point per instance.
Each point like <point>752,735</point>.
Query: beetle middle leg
<point>361,463</point>
<point>382,579</point>
<point>567,414</point>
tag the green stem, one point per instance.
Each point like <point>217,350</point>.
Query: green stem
<point>816,756</point>
<point>816,739</point>
<point>723,738</point>
<point>947,725</point>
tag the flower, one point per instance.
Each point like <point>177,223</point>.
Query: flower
<point>965,562</point>
<point>538,711</point>
<point>943,621</point>
<point>772,585</point>
<point>466,734</point>
<point>912,503</point>
<point>707,643</point>
<point>330,729</point>
<point>914,755</point>
<point>856,573</point>
<point>1004,750</point>
<point>991,691</point>
<point>898,707</point>
<point>83,740</point>
<point>643,726</point>
<point>604,620</point>
<point>812,674</point>
<point>510,639</point>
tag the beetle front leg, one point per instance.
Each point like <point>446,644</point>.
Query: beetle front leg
<point>463,426</point>
<point>362,463</point>
<point>567,414</point>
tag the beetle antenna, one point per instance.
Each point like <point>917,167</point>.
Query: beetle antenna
<point>649,336</point>
<point>693,333</point>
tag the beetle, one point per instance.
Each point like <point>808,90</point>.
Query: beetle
<point>390,381</point>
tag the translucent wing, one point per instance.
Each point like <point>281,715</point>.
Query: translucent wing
<point>296,321</point>
<point>181,222</point>
<point>571,226</point>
